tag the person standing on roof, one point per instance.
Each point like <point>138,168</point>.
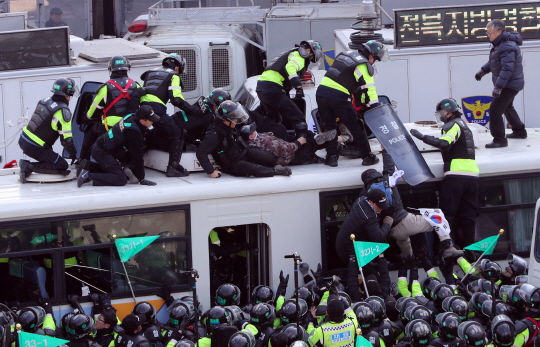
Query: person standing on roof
<point>283,74</point>
<point>123,142</point>
<point>459,189</point>
<point>51,119</point>
<point>351,72</point>
<point>111,102</point>
<point>505,65</point>
<point>163,85</point>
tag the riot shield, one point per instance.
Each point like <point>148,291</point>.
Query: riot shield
<point>391,133</point>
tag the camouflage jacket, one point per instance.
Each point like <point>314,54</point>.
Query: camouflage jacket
<point>283,151</point>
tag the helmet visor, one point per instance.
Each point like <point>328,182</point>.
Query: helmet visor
<point>518,264</point>
<point>240,114</point>
<point>471,328</point>
<point>383,54</point>
<point>522,280</point>
<point>508,292</point>
<point>74,90</point>
<point>527,291</point>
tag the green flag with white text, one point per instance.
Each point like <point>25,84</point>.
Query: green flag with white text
<point>36,340</point>
<point>129,246</point>
<point>367,251</point>
<point>487,245</point>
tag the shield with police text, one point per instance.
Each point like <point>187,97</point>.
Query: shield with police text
<point>476,108</point>
<point>389,130</point>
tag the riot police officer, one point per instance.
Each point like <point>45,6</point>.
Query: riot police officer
<point>281,75</point>
<point>366,319</point>
<point>262,317</point>
<point>341,327</point>
<point>447,336</point>
<point>459,190</point>
<point>149,328</point>
<point>503,330</point>
<point>517,266</point>
<point>177,329</point>
<point>81,331</point>
<point>112,100</point>
<point>472,333</point>
<point>51,119</point>
<point>417,334</point>
<point>350,72</point>
<point>131,334</point>
<point>110,147</point>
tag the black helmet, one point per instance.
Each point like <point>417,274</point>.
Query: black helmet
<point>504,331</point>
<point>345,299</point>
<point>500,308</point>
<point>448,323</point>
<point>79,326</point>
<point>306,294</point>
<point>185,343</point>
<point>445,108</point>
<point>291,330</point>
<point>246,132</point>
<point>119,63</point>
<point>64,323</point>
<point>475,304</point>
<point>262,314</point>
<point>228,294</point>
<point>531,295</point>
<point>365,316</point>
<point>441,292</point>
<point>219,95</point>
<point>472,333</point>
<point>418,312</point>
<point>481,285</point>
<point>315,49</point>
<point>428,284</point>
<point>457,305</point>
<point>288,310</point>
<point>510,295</point>
<point>230,111</point>
<point>147,309</point>
<point>402,304</point>
<point>173,60</point>
<point>376,49</point>
<point>518,265</point>
<point>216,317</point>
<point>379,309</point>
<point>178,314</point>
<point>31,318</point>
<point>64,87</point>
<point>490,269</point>
<point>242,338</point>
<point>419,332</point>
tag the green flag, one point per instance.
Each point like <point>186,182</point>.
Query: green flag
<point>129,246</point>
<point>36,340</point>
<point>367,251</point>
<point>487,245</point>
<point>362,342</point>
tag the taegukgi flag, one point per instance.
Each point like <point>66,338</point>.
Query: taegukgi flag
<point>435,218</point>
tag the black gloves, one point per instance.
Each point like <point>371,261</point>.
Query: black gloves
<point>469,256</point>
<point>69,146</point>
<point>479,75</point>
<point>317,275</point>
<point>497,92</point>
<point>146,182</point>
<point>106,302</point>
<point>299,93</point>
<point>283,281</point>
<point>417,134</point>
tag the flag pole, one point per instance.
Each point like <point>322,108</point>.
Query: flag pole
<point>476,262</point>
<point>125,272</point>
<point>361,272</point>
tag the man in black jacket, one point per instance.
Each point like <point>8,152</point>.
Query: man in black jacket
<point>110,148</point>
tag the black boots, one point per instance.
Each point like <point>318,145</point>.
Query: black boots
<point>497,143</point>
<point>26,169</point>
<point>331,160</point>
<point>282,170</point>
<point>370,159</point>
<point>176,170</point>
<point>84,177</point>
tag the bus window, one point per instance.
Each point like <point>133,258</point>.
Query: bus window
<point>28,237</point>
<point>239,255</point>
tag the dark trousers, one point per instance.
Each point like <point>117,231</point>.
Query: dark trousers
<point>195,126</point>
<point>504,105</point>
<point>46,157</point>
<point>330,110</point>
<point>280,104</point>
<point>91,134</point>
<point>257,162</point>
<point>113,174</point>
<point>459,203</point>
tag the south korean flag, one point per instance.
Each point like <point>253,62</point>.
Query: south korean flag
<point>435,217</point>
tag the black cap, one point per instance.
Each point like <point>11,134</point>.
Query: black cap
<point>146,112</point>
<point>335,309</point>
<point>378,197</point>
<point>56,10</point>
<point>132,322</point>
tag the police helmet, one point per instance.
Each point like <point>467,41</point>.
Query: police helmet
<point>262,293</point>
<point>418,312</point>
<point>294,334</point>
<point>119,63</point>
<point>345,299</point>
<point>531,295</point>
<point>510,295</point>
<point>441,292</point>
<point>365,316</point>
<point>500,308</point>
<point>472,333</point>
<point>504,331</point>
<point>522,279</point>
<point>288,310</point>
<point>379,309</point>
<point>376,49</point>
<point>188,300</point>
<point>185,343</point>
<point>173,60</point>
<point>80,326</point>
<point>428,284</point>
<point>307,295</point>
<point>231,111</point>
<point>481,285</point>
<point>246,132</point>
<point>216,317</point>
<point>298,344</point>
<point>419,332</point>
<point>445,108</point>
<point>178,315</point>
<point>65,87</point>
<point>262,314</point>
<point>219,95</point>
<point>315,49</point>
<point>490,269</point>
<point>475,304</point>
<point>242,338</point>
<point>401,303</point>
<point>31,318</point>
<point>147,309</point>
<point>457,305</point>
<point>227,294</point>
<point>448,323</point>
<point>64,323</point>
<point>518,265</point>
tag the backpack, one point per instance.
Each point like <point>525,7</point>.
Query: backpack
<point>385,188</point>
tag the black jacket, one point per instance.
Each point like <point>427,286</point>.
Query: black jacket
<point>221,142</point>
<point>505,62</point>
